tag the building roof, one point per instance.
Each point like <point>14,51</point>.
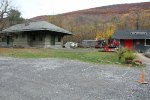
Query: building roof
<point>35,26</point>
<point>135,34</point>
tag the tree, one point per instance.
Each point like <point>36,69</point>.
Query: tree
<point>107,34</point>
<point>9,16</point>
<point>14,17</point>
<point>138,16</point>
<point>56,20</point>
<point>4,9</point>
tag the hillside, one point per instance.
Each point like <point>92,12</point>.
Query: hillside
<point>102,11</point>
<point>86,23</point>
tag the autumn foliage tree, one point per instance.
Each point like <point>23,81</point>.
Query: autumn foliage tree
<point>107,34</point>
<point>135,19</point>
<point>93,25</point>
<point>138,17</point>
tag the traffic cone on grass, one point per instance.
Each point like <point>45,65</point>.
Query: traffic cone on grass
<point>142,78</point>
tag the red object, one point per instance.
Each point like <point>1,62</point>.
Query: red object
<point>117,43</point>
<point>113,43</point>
<point>106,48</point>
<point>128,44</point>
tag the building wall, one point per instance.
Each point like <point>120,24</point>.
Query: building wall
<point>138,45</point>
<point>58,43</point>
<point>6,41</point>
<point>39,44</point>
<point>50,42</point>
<point>20,40</point>
<point>3,42</point>
<point>34,39</point>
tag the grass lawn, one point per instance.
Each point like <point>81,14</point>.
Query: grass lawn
<point>87,55</point>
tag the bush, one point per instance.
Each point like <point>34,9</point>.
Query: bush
<point>126,53</point>
<point>120,52</point>
<point>129,55</point>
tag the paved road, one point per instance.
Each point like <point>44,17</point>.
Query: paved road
<point>57,79</point>
<point>144,59</point>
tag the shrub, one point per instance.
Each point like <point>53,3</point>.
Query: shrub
<point>129,55</point>
<point>126,53</point>
<point>120,52</point>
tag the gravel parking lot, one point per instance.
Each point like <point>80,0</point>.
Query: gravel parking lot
<point>62,79</point>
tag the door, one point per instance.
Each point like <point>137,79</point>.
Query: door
<point>52,39</point>
<point>139,45</point>
<point>32,40</point>
<point>128,43</point>
<point>9,41</point>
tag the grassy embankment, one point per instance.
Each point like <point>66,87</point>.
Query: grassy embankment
<point>87,55</point>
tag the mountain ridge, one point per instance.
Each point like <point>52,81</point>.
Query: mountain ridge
<point>110,9</point>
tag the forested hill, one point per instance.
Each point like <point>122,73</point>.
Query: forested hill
<point>100,19</point>
<point>111,9</point>
<point>102,11</point>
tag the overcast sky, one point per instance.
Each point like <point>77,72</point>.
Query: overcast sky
<point>32,8</point>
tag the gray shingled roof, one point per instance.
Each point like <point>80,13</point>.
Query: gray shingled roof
<point>35,26</point>
<point>128,34</point>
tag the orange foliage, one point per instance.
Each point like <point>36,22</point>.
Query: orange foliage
<point>107,34</point>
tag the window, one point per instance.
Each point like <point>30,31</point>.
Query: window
<point>147,42</point>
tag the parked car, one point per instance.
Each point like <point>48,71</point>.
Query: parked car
<point>71,45</point>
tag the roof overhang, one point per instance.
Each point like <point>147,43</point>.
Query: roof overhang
<point>35,26</point>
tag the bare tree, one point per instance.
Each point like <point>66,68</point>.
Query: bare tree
<point>4,9</point>
<point>138,16</point>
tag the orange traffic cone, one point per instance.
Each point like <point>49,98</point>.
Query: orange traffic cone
<point>142,78</point>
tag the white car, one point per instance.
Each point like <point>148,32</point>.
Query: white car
<point>71,45</point>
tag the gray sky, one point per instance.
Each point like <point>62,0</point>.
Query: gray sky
<point>32,8</point>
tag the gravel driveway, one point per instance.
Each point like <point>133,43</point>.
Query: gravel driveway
<point>58,79</point>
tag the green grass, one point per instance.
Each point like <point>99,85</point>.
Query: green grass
<point>86,55</point>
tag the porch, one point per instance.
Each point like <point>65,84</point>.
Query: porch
<point>41,39</point>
